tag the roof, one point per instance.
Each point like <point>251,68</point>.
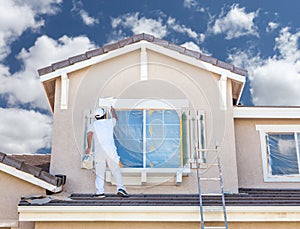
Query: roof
<point>36,173</point>
<point>247,205</point>
<point>39,160</point>
<point>140,41</point>
<point>136,38</point>
<point>245,197</point>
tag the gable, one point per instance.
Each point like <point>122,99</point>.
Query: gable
<point>141,43</point>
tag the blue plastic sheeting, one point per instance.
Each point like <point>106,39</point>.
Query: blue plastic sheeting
<point>282,153</point>
<point>148,138</point>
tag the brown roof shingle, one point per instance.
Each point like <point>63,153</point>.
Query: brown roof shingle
<point>245,197</point>
<point>36,165</point>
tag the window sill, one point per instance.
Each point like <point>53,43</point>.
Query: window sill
<point>282,179</point>
<point>150,176</point>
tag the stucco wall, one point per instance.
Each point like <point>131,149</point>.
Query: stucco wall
<point>120,78</point>
<point>12,189</point>
<point>249,155</point>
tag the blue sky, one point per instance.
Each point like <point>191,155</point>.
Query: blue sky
<point>260,36</point>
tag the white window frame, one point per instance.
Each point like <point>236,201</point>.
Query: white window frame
<point>263,130</point>
<point>160,174</point>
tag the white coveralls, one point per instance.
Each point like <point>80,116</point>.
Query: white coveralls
<point>105,151</point>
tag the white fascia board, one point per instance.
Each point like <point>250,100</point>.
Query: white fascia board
<point>159,213</point>
<point>29,178</point>
<point>240,94</point>
<point>277,128</point>
<point>91,61</point>
<point>266,112</point>
<point>150,46</point>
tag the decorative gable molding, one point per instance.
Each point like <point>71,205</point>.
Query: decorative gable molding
<point>64,91</point>
<point>144,63</point>
<point>223,92</point>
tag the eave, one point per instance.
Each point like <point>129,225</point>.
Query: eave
<point>29,178</point>
<point>266,112</point>
<point>159,213</point>
<point>142,42</point>
<point>29,173</point>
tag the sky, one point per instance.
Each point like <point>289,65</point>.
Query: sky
<point>259,36</point>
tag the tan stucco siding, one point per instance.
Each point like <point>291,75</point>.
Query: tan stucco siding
<point>12,189</point>
<point>120,77</point>
<point>249,155</point>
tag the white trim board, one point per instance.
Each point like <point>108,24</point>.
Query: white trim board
<point>159,213</point>
<point>266,112</point>
<point>29,178</point>
<point>9,223</point>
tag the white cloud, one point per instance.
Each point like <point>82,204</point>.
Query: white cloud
<point>192,46</point>
<point>23,131</point>
<point>24,86</point>
<point>139,25</point>
<point>185,30</point>
<point>235,23</point>
<point>156,27</point>
<point>84,15</point>
<point>287,45</point>
<point>42,7</point>
<point>272,26</point>
<point>189,3</point>
<point>275,80</point>
<point>89,21</point>
<point>193,4</point>
<point>16,16</point>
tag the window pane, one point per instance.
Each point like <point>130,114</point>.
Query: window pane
<point>166,155</point>
<point>282,154</point>
<point>162,139</point>
<point>128,135</point>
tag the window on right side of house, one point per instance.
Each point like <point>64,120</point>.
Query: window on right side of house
<point>283,153</point>
<point>280,152</point>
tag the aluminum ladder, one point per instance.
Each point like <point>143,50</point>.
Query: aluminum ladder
<point>197,161</point>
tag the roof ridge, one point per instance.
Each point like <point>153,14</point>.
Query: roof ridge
<point>9,160</point>
<point>134,39</point>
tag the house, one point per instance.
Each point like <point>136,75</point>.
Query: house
<point>178,117</point>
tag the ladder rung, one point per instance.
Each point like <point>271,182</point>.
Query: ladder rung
<point>212,194</point>
<point>210,178</point>
<point>212,227</point>
<point>211,164</point>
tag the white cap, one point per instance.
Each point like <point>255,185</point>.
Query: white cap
<point>99,112</point>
